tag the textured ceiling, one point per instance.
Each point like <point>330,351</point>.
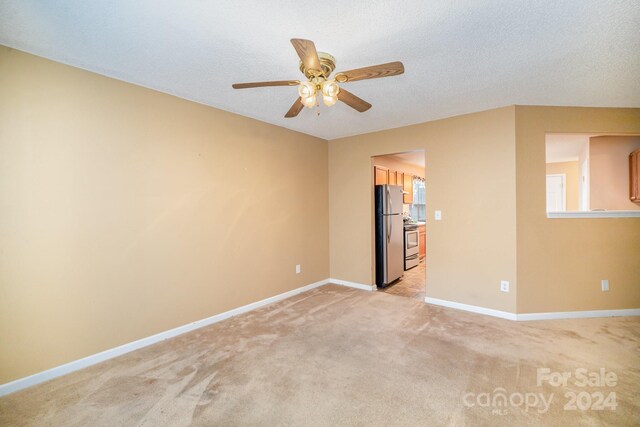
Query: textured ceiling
<point>460,57</point>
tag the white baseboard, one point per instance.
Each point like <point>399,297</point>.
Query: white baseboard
<point>351,284</point>
<point>93,359</point>
<point>534,316</point>
<point>579,314</point>
<point>471,308</point>
<point>75,365</point>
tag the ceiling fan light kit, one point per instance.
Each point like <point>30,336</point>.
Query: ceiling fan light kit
<point>318,85</point>
<point>317,68</point>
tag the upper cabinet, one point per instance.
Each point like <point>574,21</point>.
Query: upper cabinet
<point>407,188</point>
<point>384,175</point>
<point>634,176</point>
<point>393,177</point>
<point>387,176</point>
<point>381,175</point>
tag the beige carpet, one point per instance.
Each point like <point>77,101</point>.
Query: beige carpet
<point>339,356</point>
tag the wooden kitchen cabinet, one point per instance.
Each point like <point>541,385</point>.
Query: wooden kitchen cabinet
<point>407,188</point>
<point>422,241</point>
<point>393,177</point>
<point>381,175</point>
<point>634,176</point>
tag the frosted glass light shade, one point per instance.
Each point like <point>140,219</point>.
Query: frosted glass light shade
<point>309,101</point>
<point>306,90</point>
<point>329,100</point>
<point>330,88</point>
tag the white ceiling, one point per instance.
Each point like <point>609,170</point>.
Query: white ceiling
<point>565,148</point>
<point>460,57</point>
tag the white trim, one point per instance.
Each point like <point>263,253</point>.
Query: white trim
<point>75,365</point>
<point>594,214</point>
<point>471,308</point>
<point>352,284</point>
<point>579,314</point>
<point>93,359</point>
<point>534,316</point>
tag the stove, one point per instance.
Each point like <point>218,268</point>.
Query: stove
<point>411,246</point>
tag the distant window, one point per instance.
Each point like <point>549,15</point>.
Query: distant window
<point>418,209</point>
<point>588,175</point>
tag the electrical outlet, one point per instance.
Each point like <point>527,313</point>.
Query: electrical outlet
<point>604,283</point>
<point>298,269</point>
<point>504,286</point>
<point>438,215</point>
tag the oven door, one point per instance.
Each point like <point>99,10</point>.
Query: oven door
<point>411,244</point>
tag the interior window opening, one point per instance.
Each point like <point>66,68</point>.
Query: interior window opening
<point>592,175</point>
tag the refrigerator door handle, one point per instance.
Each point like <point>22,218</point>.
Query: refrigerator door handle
<point>388,218</point>
<point>390,227</point>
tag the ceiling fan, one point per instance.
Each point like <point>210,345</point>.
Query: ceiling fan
<point>317,68</point>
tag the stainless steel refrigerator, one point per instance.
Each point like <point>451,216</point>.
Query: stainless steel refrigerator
<point>389,234</point>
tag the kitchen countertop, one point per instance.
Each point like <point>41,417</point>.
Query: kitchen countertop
<point>418,223</point>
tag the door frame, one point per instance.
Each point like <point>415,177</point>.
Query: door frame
<point>372,160</point>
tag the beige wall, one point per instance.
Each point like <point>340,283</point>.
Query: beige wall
<point>561,261</point>
<point>572,181</point>
<point>125,212</point>
<point>609,172</point>
<point>470,177</point>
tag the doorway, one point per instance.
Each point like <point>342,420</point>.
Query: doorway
<point>399,188</point>
<point>556,192</point>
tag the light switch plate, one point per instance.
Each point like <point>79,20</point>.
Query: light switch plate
<point>438,215</point>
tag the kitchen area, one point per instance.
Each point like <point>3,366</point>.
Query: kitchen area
<point>400,224</point>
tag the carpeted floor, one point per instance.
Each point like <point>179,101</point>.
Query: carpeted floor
<point>341,356</point>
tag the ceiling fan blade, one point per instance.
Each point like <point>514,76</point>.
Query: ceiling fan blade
<point>263,84</point>
<point>373,72</point>
<point>353,101</point>
<point>307,53</point>
<point>295,108</point>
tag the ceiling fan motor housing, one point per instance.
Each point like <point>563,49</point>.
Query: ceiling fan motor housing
<point>327,65</point>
